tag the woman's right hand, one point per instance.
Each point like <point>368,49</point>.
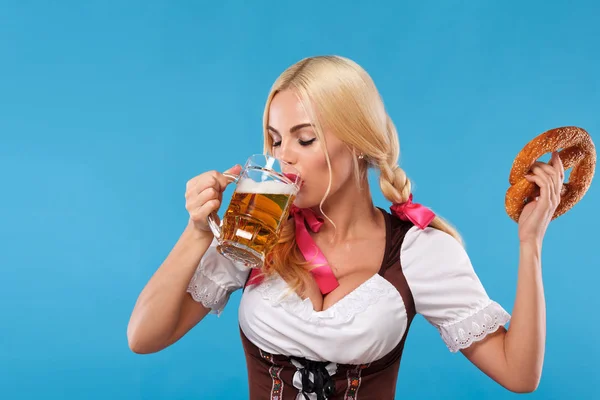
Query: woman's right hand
<point>203,195</point>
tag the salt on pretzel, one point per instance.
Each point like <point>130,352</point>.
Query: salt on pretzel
<point>577,151</point>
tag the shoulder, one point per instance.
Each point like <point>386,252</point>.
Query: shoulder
<point>446,289</point>
<point>433,261</point>
<point>431,244</point>
<point>417,246</point>
<point>438,269</point>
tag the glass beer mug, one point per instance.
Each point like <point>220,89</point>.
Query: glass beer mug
<point>261,201</point>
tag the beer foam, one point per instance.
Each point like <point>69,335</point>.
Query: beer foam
<point>267,187</point>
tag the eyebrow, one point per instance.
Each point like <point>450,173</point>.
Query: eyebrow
<point>294,128</point>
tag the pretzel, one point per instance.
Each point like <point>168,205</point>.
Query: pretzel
<point>577,152</point>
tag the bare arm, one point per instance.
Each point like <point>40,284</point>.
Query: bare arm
<point>164,311</point>
<point>514,358</point>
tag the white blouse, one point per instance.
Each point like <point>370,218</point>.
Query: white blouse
<point>370,321</point>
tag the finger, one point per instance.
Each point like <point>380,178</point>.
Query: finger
<point>203,211</point>
<point>554,174</point>
<point>224,180</point>
<point>545,189</point>
<point>548,169</point>
<point>559,179</point>
<point>554,187</point>
<point>557,163</point>
<point>548,173</point>
<point>213,179</point>
<point>560,176</point>
<point>533,195</point>
<point>191,183</point>
<point>203,181</point>
<point>235,170</point>
<point>205,196</point>
<point>195,200</point>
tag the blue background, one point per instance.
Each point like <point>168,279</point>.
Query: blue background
<point>107,108</point>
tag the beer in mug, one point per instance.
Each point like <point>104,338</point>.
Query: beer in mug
<point>260,204</point>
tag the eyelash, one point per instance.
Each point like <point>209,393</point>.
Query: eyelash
<point>302,142</point>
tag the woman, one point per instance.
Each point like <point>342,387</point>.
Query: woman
<point>324,116</point>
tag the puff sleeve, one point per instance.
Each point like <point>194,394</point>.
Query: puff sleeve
<point>446,290</point>
<point>215,279</point>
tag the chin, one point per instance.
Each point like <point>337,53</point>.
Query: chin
<point>298,202</point>
<point>304,201</point>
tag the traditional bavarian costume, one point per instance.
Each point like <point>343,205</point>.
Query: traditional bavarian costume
<point>352,350</point>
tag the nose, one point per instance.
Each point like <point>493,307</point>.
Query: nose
<point>286,153</point>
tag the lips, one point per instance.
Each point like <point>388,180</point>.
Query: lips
<point>294,178</point>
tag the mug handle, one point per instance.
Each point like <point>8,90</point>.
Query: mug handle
<point>214,222</point>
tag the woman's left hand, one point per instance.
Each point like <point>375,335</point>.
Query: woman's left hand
<point>538,213</point>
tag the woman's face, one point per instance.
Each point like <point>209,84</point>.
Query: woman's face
<point>295,142</point>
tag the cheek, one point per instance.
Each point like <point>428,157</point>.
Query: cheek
<point>341,164</point>
<point>314,163</point>
<point>317,170</point>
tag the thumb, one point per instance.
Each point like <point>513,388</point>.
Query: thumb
<point>224,180</point>
<point>235,170</point>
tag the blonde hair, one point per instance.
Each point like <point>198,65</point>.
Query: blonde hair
<point>347,101</point>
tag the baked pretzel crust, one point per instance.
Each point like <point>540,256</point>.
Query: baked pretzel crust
<point>575,149</point>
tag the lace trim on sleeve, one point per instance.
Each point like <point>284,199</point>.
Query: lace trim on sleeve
<point>460,335</point>
<point>208,292</point>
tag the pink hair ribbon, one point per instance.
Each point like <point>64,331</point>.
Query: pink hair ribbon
<point>419,215</point>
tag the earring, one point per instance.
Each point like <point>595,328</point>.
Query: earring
<point>362,156</point>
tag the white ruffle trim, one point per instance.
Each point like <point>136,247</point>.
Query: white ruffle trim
<point>276,292</point>
<point>461,334</point>
<point>208,292</point>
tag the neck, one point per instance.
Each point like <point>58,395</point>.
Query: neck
<point>353,212</point>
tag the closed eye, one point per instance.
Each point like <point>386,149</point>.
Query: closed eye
<point>306,142</point>
<point>302,142</point>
